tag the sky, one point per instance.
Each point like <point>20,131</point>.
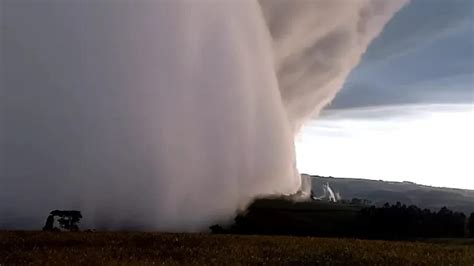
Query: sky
<point>406,111</point>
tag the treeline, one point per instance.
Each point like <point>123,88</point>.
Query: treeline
<point>400,221</point>
<point>395,221</point>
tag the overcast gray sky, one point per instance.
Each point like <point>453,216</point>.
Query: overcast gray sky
<point>406,111</point>
<point>424,55</point>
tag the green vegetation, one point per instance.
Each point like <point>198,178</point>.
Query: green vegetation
<point>82,248</point>
<point>283,216</point>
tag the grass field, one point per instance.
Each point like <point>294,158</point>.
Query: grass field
<point>39,248</point>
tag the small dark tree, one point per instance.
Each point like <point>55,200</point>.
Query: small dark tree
<point>67,220</point>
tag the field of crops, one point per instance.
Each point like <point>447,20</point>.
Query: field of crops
<point>203,249</point>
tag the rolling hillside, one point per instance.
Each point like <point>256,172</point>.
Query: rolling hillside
<point>380,192</point>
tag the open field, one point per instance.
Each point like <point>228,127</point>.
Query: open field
<point>162,248</point>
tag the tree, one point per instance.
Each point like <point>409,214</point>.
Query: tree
<point>67,220</point>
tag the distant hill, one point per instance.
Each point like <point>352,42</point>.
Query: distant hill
<point>379,192</point>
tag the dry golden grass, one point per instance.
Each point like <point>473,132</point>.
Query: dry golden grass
<point>39,248</point>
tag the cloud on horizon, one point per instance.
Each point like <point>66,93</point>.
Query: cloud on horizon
<point>427,144</point>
